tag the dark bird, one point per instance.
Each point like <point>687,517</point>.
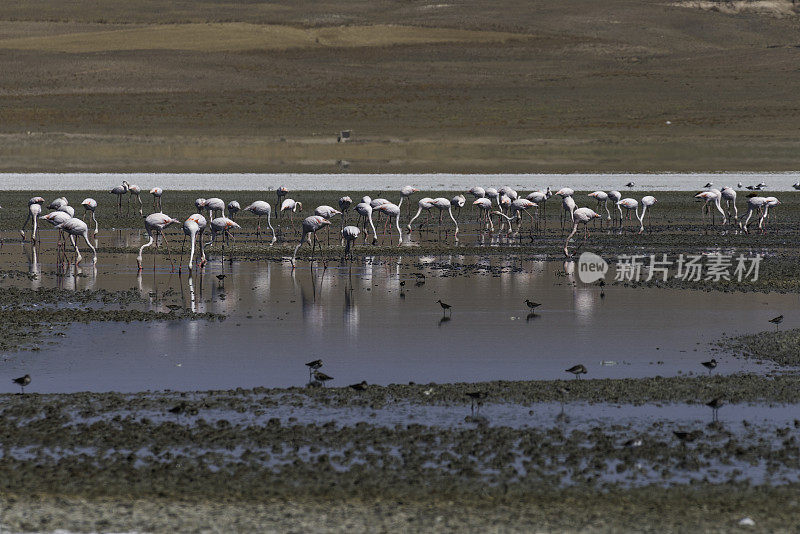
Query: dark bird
<point>715,405</point>
<point>630,184</point>
<point>403,283</point>
<point>313,366</point>
<point>477,400</point>
<point>708,184</point>
<point>633,443</point>
<point>445,307</point>
<point>321,377</point>
<point>685,437</point>
<point>361,386</point>
<point>221,278</point>
<point>577,370</point>
<point>711,364</point>
<point>776,321</point>
<point>22,381</point>
<point>532,305</point>
<point>178,408</point>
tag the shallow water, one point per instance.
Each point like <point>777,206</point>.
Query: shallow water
<point>376,182</point>
<point>355,319</point>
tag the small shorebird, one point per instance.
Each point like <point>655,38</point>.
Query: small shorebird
<point>22,381</point>
<point>532,305</point>
<point>630,184</point>
<point>321,377</point>
<point>313,366</point>
<point>221,278</point>
<point>776,321</point>
<point>684,437</point>
<point>361,386</point>
<point>445,307</point>
<point>710,365</point>
<point>477,400</point>
<point>633,443</point>
<point>715,405</point>
<point>708,184</point>
<point>577,370</point>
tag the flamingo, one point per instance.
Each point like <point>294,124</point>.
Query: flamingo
<point>522,205</point>
<point>602,198</point>
<point>69,210</point>
<point>647,201</point>
<point>567,204</point>
<point>260,208</point>
<point>90,204</point>
<point>443,204</point>
<point>458,201</point>
<point>214,205</point>
<point>327,212</point>
<point>75,228</point>
<point>364,210</point>
<point>405,193</point>
<point>134,191</point>
<point>484,206</point>
<point>771,203</point>
<point>155,223</point>
<point>192,227</point>
<point>280,192</point>
<point>493,194</point>
<point>224,225</point>
<point>729,196</point>
<point>510,193</point>
<point>200,204</point>
<point>509,220</point>
<point>753,204</point>
<point>119,190</point>
<point>392,211</point>
<point>540,198</point>
<point>233,208</point>
<point>712,195</point>
<point>310,226</point>
<point>56,218</point>
<point>57,203</point>
<point>580,216</point>
<point>157,192</point>
<point>477,192</point>
<point>349,236</point>
<point>291,206</point>
<point>629,204</point>
<point>426,204</point>
<point>344,206</point>
<point>34,209</point>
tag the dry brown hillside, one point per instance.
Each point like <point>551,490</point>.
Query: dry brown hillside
<point>455,86</point>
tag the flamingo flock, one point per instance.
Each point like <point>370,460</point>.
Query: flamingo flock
<point>510,208</point>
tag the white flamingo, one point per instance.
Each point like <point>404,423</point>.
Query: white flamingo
<point>213,205</point>
<point>154,224</point>
<point>540,198</point>
<point>56,218</point>
<point>364,210</point>
<point>69,210</point>
<point>753,204</point>
<point>120,190</point>
<point>57,203</point>
<point>233,208</point>
<point>157,192</point>
<point>729,196</point>
<point>443,204</point>
<point>224,226</point>
<point>344,206</point>
<point>522,205</point>
<point>193,227</point>
<point>615,197</point>
<point>426,204</point>
<point>771,203</point>
<point>291,206</point>
<point>405,193</point>
<point>77,228</point>
<point>260,208</point>
<point>493,194</point>
<point>647,202</point>
<point>349,236</point>
<point>630,204</point>
<point>200,204</point>
<point>458,201</point>
<point>477,192</point>
<point>34,210</point>
<point>134,191</point>
<point>90,204</point>
<point>484,206</point>
<point>567,204</point>
<point>580,216</point>
<point>327,212</point>
<point>311,225</point>
<point>602,199</point>
<point>714,196</point>
<point>392,211</point>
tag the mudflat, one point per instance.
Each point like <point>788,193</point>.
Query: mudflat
<point>489,86</point>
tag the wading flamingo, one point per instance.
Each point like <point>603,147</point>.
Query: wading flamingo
<point>193,227</point>
<point>392,211</point>
<point>69,210</point>
<point>458,201</point>
<point>327,212</point>
<point>615,197</point>
<point>405,193</point>
<point>540,198</point>
<point>311,225</point>
<point>484,206</point>
<point>157,192</point>
<point>90,204</point>
<point>291,206</point>
<point>580,216</point>
<point>729,196</point>
<point>426,204</point>
<point>602,199</point>
<point>349,236</point>
<point>522,205</point>
<point>214,206</point>
<point>712,196</point>
<point>233,208</point>
<point>630,204</point>
<point>120,190</point>
<point>34,210</point>
<point>154,224</point>
<point>222,225</point>
<point>77,228</point>
<point>134,191</point>
<point>647,201</point>
<point>57,218</point>
<point>364,210</point>
<point>567,204</point>
<point>57,203</point>
<point>260,208</point>
<point>443,204</point>
<point>753,204</point>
